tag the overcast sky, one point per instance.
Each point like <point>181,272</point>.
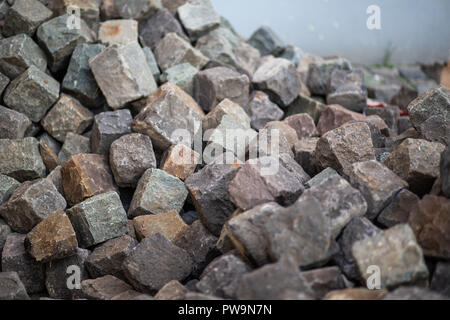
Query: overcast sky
<point>416,30</point>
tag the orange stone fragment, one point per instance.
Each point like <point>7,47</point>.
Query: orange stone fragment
<point>180,161</point>
<point>86,175</point>
<point>49,157</point>
<point>169,224</point>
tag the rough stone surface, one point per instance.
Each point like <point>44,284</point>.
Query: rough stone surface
<point>157,192</point>
<point>341,147</point>
<point>323,280</point>
<point>389,114</point>
<point>153,65</point>
<point>303,124</point>
<point>198,17</point>
<point>208,189</point>
<point>272,282</point>
<point>321,177</point>
<point>98,219</point>
<point>123,75</point>
<point>360,228</point>
<point>20,159</point>
<point>399,209</point>
<point>320,72</point>
<point>108,127</point>
<point>305,104</point>
<point>200,244</point>
<point>441,279</point>
<point>261,110</point>
<point>32,93</point>
<point>211,86</point>
<point>305,154</point>
<point>360,294</point>
<point>13,124</point>
<point>172,291</point>
<point>180,161</point>
<point>181,75</point>
<point>266,41</point>
<point>397,254</point>
<point>129,157</point>
<point>154,29</point>
<point>118,32</point>
<point>169,109</point>
<point>251,186</point>
<point>107,258</point>
<point>12,287</point>
<point>138,9</point>
<point>169,224</point>
<point>24,17</point>
<point>340,201</point>
<point>279,79</point>
<point>74,144</point>
<point>52,239</point>
<point>86,175</point>
<point>56,275</point>
<point>377,184</point>
<point>226,108</point>
<point>155,262</point>
<point>58,41</point>
<point>16,259</point>
<point>104,288</point>
<point>49,157</point>
<point>445,172</point>
<point>26,53</point>
<point>335,116</point>
<point>347,88</point>
<point>436,129</point>
<point>417,162</point>
<point>431,224</point>
<point>173,50</point>
<point>31,202</point>
<point>67,115</point>
<point>5,230</point>
<point>222,276</point>
<point>79,80</point>
<point>411,293</point>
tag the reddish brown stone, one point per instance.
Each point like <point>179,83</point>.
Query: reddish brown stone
<point>430,220</point>
<point>169,224</point>
<point>180,161</point>
<point>86,175</point>
<point>303,124</point>
<point>49,157</point>
<point>53,238</point>
<point>335,116</point>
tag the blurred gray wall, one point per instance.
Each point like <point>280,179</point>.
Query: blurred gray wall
<point>413,30</point>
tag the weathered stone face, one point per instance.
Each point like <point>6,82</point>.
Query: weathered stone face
<point>31,202</point>
<point>303,124</point>
<point>108,127</point>
<point>98,219</point>
<point>157,193</point>
<point>399,209</point>
<point>209,191</point>
<point>320,71</point>
<point>417,162</point>
<point>139,9</point>
<point>13,124</point>
<point>154,29</point>
<point>79,80</point>
<point>173,50</point>
<point>180,161</point>
<point>155,262</point>
<point>59,41</point>
<point>26,53</point>
<point>397,254</point>
<point>445,172</point>
<point>279,79</point>
<point>429,220</point>
<point>305,154</point>
<point>24,17</point>
<point>107,258</point>
<point>73,145</point>
<point>123,75</point>
<point>86,175</point>
<point>118,32</point>
<point>335,116</point>
<point>49,157</point>
<point>169,224</point>
<point>198,17</point>
<point>52,239</point>
<point>355,294</point>
<point>342,147</point>
<point>304,104</point>
<point>12,287</point>
<point>266,41</point>
<point>32,93</point>
<point>261,110</point>
<point>377,184</point>
<point>226,108</point>
<point>347,88</point>
<point>67,115</point>
<point>104,288</point>
<point>16,259</point>
<point>172,291</point>
<point>168,110</point>
<point>7,187</point>
<point>182,75</point>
